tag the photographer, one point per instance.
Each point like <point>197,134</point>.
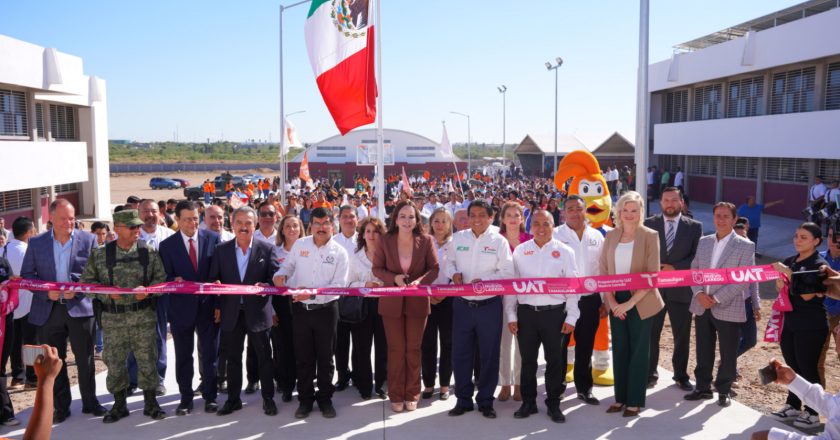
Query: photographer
<point>813,395</point>
<point>805,327</point>
<point>47,367</point>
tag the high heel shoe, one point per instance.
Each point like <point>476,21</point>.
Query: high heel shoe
<point>504,395</point>
<point>628,412</point>
<point>410,406</point>
<point>614,408</point>
<point>397,407</point>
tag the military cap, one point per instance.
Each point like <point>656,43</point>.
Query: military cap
<point>128,217</point>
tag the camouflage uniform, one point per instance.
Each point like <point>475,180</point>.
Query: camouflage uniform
<point>132,330</point>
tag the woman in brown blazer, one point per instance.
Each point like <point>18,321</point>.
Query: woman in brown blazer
<point>404,257</point>
<point>631,248</point>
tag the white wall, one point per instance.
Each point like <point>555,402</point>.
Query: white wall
<point>806,39</point>
<point>37,164</point>
<point>399,140</point>
<point>796,135</point>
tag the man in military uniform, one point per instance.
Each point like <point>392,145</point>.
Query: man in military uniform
<point>128,321</point>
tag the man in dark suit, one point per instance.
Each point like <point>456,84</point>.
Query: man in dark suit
<point>186,256</point>
<point>248,262</point>
<point>678,238</point>
<point>60,255</point>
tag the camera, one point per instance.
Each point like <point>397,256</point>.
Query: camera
<point>807,282</point>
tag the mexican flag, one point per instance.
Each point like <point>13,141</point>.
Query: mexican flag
<point>339,40</point>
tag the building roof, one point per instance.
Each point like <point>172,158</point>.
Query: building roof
<point>544,144</point>
<point>780,17</point>
<point>615,145</point>
<point>405,147</point>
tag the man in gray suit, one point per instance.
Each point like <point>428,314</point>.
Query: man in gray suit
<point>678,237</point>
<point>719,310</point>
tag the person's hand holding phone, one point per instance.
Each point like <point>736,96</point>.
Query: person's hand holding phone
<point>48,364</point>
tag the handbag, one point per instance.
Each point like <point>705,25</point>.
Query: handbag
<point>352,309</point>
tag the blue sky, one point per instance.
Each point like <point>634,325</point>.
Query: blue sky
<point>210,68</point>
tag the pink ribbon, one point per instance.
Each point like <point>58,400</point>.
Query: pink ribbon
<point>568,286</point>
<point>773,331</point>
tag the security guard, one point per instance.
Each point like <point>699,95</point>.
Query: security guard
<point>128,321</point>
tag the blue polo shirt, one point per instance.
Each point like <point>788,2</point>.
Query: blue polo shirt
<point>832,306</point>
<point>752,214</point>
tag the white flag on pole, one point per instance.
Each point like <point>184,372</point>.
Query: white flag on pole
<point>445,146</point>
<point>290,138</point>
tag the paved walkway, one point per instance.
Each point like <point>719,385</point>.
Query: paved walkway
<point>667,416</point>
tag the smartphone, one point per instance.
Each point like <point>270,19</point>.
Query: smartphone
<point>767,374</point>
<point>31,352</point>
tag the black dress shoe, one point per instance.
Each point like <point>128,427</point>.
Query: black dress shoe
<point>184,409</point>
<point>366,396</point>
<point>210,406</point>
<point>286,397</point>
<point>303,411</point>
<point>556,415</point>
<point>685,385</point>
<point>97,410</point>
<point>327,410</point>
<point>427,394</point>
<point>444,395</point>
<point>197,391</point>
<point>724,400</point>
<point>381,393</point>
<point>269,407</point>
<point>229,407</point>
<point>459,410</point>
<point>652,382</point>
<point>488,412</point>
<point>60,416</point>
<point>699,395</point>
<point>342,384</point>
<point>252,387</point>
<point>525,411</point>
<point>588,398</point>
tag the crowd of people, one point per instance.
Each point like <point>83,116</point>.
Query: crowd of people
<point>438,231</point>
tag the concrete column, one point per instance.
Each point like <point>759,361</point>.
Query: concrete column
<point>684,165</point>
<point>719,180</point>
<point>759,180</point>
<point>37,212</point>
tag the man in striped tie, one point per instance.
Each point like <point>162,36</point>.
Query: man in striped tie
<point>678,238</point>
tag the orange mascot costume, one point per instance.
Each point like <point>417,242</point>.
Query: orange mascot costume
<point>587,182</point>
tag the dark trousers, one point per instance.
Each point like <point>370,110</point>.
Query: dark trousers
<point>24,333</point>
<point>283,346</point>
<point>7,411</point>
<point>801,350</point>
<point>380,356</point>
<point>752,234</point>
<point>342,351</point>
<point>748,337</point>
<point>708,329</point>
<point>162,305</point>
<point>542,328</point>
<point>252,367</point>
<point>8,345</point>
<point>680,318</point>
<point>631,354</point>
<point>585,329</point>
<point>314,332</point>
<point>476,328</point>
<point>362,336</point>
<point>438,327</point>
<point>208,341</point>
<point>60,327</point>
<point>262,348</point>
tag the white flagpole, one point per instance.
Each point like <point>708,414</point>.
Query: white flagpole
<point>380,146</point>
<point>642,102</point>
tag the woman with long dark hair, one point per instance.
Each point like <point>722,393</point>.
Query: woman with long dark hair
<point>439,323</point>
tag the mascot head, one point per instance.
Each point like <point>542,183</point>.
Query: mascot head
<point>588,183</point>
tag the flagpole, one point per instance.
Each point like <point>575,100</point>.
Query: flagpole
<point>380,147</point>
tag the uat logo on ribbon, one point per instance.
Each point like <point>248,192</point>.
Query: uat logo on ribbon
<point>535,286</point>
<point>747,275</point>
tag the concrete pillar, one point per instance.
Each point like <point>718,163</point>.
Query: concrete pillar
<point>37,212</point>
<point>719,180</point>
<point>759,180</point>
<point>684,165</point>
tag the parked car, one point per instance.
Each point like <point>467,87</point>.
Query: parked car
<point>252,177</point>
<point>197,192</point>
<point>184,182</point>
<point>163,183</point>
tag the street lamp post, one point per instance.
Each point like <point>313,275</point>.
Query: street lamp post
<point>469,142</point>
<point>283,119</point>
<point>555,68</point>
<point>503,91</point>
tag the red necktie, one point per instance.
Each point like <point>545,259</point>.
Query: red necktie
<point>193,255</point>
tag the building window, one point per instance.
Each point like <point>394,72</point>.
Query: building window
<point>786,170</point>
<point>15,200</point>
<point>828,168</point>
<point>63,122</point>
<point>702,165</point>
<point>746,98</point>
<point>325,148</point>
<point>669,162</point>
<point>676,106</point>
<point>331,155</point>
<point>39,120</point>
<point>708,102</point>
<point>793,91</point>
<point>420,148</point>
<point>420,154</point>
<point>832,87</point>
<point>740,167</point>
<point>13,113</point>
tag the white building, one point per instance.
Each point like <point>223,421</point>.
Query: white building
<point>53,133</point>
<point>343,156</point>
<point>753,109</point>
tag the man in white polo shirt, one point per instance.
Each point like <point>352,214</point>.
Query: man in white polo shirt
<point>477,255</point>
<point>540,318</point>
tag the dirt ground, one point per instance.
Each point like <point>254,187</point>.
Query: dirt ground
<point>137,184</point>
